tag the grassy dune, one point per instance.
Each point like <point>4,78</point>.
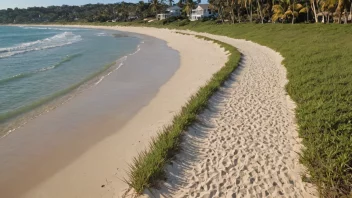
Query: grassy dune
<point>148,168</point>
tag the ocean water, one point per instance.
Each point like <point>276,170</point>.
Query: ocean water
<point>39,64</point>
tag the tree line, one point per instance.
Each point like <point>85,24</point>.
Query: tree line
<point>86,13</point>
<point>284,11</point>
<point>230,11</point>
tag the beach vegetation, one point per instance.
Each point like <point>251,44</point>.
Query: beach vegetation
<point>318,62</point>
<point>184,22</point>
<point>317,58</point>
<point>235,11</point>
<point>148,169</point>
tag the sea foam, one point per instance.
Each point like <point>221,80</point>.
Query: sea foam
<point>49,28</point>
<point>62,39</point>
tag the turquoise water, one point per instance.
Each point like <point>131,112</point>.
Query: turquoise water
<point>38,64</point>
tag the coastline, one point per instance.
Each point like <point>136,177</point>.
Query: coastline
<point>14,120</point>
<point>99,170</point>
<point>31,112</point>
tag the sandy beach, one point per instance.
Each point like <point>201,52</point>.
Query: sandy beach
<point>245,144</point>
<point>99,169</point>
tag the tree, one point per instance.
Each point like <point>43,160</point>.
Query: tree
<point>327,7</point>
<point>314,9</point>
<point>236,11</point>
<point>189,4</point>
<point>218,5</point>
<point>260,11</point>
<point>342,5</point>
<point>288,10</point>
<point>279,10</point>
<point>155,5</point>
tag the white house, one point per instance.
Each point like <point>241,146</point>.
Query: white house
<point>171,11</point>
<point>162,16</point>
<point>201,11</point>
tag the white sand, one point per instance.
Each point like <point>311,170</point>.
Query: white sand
<point>106,162</point>
<point>246,142</point>
<point>243,146</point>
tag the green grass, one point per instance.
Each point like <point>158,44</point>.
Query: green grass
<point>149,167</point>
<point>318,59</point>
<point>319,65</point>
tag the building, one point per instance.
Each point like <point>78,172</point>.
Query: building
<point>201,11</point>
<point>174,11</point>
<point>162,16</point>
<point>170,11</point>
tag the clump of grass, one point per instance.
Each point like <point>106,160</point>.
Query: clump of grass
<point>149,167</point>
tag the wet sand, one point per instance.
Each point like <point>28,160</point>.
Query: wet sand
<point>82,148</point>
<point>52,140</point>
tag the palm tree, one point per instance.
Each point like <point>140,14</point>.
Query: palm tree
<point>240,4</point>
<point>287,10</point>
<point>140,8</point>
<point>260,11</point>
<point>279,10</point>
<point>230,5</point>
<point>219,6</point>
<point>189,4</point>
<point>155,6</point>
<point>327,6</point>
<point>123,11</point>
<point>250,3</point>
<point>342,5</point>
<point>314,6</point>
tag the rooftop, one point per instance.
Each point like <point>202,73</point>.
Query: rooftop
<point>203,6</point>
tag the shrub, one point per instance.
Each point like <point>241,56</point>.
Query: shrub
<point>184,22</point>
<point>170,20</point>
<point>206,19</point>
<point>173,19</point>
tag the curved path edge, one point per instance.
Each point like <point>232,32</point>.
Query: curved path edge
<point>246,142</point>
<point>99,171</point>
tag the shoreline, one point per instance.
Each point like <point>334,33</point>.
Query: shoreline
<point>15,120</point>
<point>98,171</point>
<point>54,101</point>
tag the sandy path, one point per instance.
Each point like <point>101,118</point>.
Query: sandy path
<point>243,146</point>
<point>245,143</point>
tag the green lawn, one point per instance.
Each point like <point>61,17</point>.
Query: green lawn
<point>318,58</point>
<point>319,63</point>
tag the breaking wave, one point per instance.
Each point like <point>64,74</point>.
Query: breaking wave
<point>48,28</point>
<point>62,39</point>
<point>101,34</point>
